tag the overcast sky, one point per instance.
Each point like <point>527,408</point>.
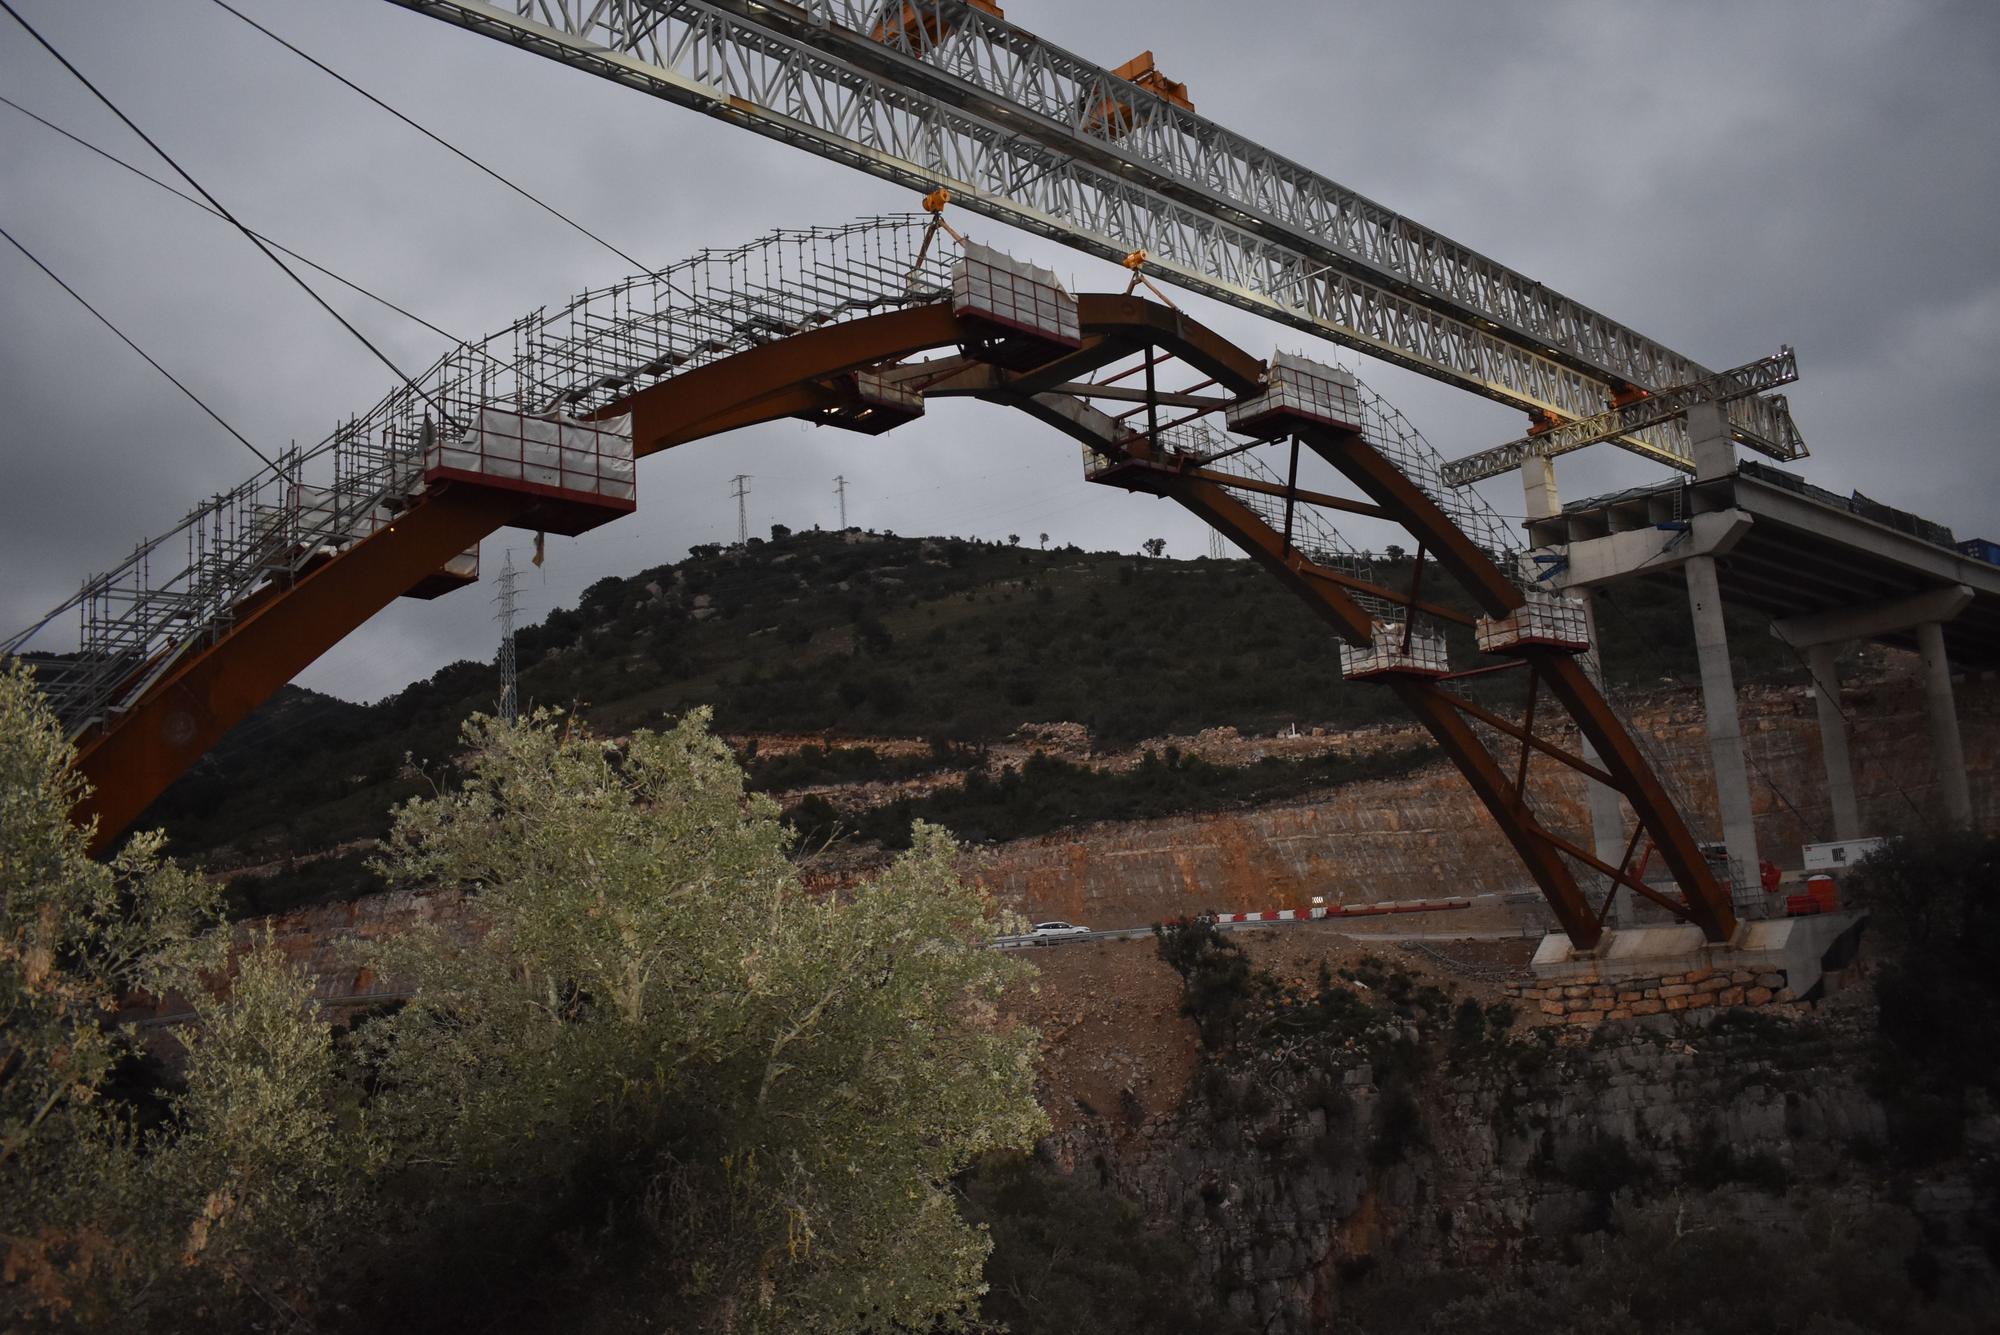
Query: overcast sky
<point>1723,177</point>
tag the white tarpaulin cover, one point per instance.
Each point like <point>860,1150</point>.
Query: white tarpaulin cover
<point>1306,388</point>
<point>1426,654</point>
<point>1013,292</point>
<point>591,458</point>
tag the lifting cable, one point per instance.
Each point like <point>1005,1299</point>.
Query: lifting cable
<point>103,319</point>
<point>217,204</point>
<point>146,176</point>
<point>435,138</point>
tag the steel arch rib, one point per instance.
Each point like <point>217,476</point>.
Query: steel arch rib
<point>131,760</point>
<point>1215,506</point>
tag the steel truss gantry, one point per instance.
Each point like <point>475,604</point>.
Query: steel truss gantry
<point>933,93</point>
<point>1651,410</point>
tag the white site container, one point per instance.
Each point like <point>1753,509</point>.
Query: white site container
<point>586,460</point>
<point>1839,854</point>
<point>1013,293</point>
<point>1299,387</point>
<point>1547,618</point>
<point>1426,655</point>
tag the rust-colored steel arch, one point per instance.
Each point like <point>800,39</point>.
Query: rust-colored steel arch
<point>131,760</point>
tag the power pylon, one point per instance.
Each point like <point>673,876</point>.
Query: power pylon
<point>742,484</point>
<point>840,490</point>
<point>1214,545</point>
<point>510,699</point>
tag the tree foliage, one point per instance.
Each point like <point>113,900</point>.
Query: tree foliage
<point>1935,902</point>
<point>665,1087</point>
<point>664,1049</point>
<point>122,1209</point>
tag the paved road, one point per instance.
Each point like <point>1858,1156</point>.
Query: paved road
<point>1133,933</point>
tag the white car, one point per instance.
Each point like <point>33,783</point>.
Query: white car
<point>1058,931</point>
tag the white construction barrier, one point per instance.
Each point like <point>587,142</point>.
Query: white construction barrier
<point>879,392</point>
<point>584,461</point>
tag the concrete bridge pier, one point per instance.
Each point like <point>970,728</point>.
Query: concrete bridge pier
<point>1822,636</point>
<point>1724,724</point>
<point>1823,661</point>
<point>1947,750</point>
<point>1715,457</point>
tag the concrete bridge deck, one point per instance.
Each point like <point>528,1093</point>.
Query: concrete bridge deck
<point>1813,560</point>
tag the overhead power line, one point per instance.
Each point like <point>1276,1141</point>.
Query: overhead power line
<point>106,322</point>
<point>436,139</point>
<point>151,179</point>
<point>217,204</point>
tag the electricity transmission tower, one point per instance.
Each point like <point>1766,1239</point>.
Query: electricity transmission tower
<point>1214,545</point>
<point>510,699</point>
<point>840,490</point>
<point>742,484</point>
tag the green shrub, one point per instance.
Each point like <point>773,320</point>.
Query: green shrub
<point>1216,979</point>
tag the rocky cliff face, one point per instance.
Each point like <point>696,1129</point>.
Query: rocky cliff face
<point>1297,1169</point>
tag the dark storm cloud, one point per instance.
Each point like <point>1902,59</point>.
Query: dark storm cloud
<point>1723,177</point>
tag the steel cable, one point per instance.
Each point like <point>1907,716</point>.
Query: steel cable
<point>106,322</point>
<point>219,207</point>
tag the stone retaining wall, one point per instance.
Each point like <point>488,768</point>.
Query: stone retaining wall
<point>1591,1000</point>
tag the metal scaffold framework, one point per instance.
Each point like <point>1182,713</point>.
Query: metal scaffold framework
<point>178,592</point>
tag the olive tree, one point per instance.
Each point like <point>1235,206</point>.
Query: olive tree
<point>666,1079</point>
<point>127,1201</point>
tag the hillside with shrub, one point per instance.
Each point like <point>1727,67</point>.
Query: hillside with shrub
<point>860,635</point>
